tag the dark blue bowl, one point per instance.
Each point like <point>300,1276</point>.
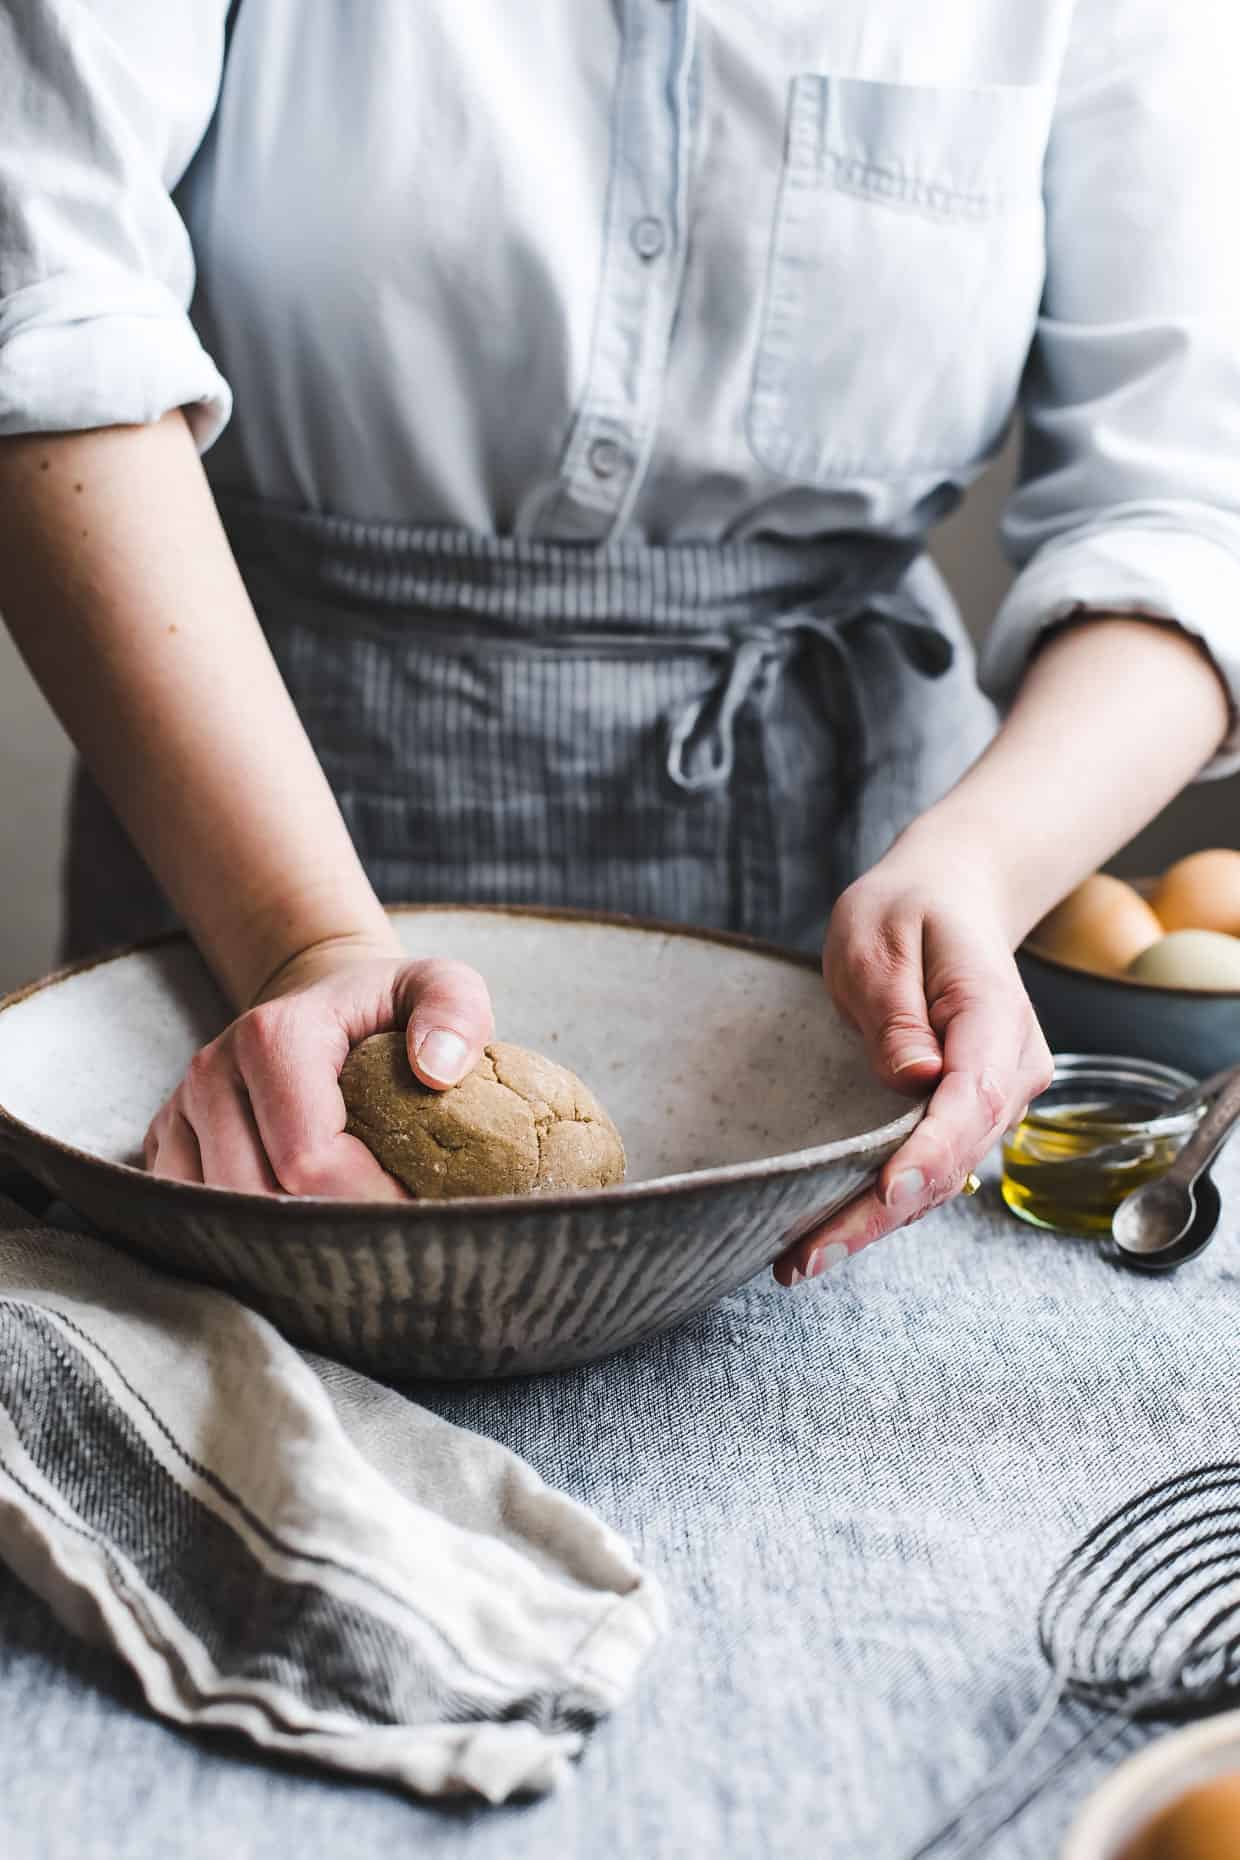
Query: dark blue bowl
<point>1085,1013</point>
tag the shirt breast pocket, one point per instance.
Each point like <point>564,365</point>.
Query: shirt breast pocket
<point>905,270</point>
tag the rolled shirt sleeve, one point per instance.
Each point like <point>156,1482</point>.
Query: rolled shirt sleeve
<point>1129,493</point>
<point>102,106</point>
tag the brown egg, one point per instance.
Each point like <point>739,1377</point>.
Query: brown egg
<point>1103,925</point>
<point>1204,1824</point>
<point>1201,892</point>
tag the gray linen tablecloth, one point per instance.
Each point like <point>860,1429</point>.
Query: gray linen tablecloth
<point>851,1495</point>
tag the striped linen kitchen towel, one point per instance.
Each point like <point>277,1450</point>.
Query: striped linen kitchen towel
<point>276,1544</point>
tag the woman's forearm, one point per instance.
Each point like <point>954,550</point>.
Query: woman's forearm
<point>118,585</point>
<point>1114,717</point>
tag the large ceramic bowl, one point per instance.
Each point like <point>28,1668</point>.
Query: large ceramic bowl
<point>746,1109</point>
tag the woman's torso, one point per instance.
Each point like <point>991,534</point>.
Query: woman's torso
<point>686,271</point>
<point>650,273</point>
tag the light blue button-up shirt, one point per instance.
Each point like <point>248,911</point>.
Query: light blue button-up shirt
<point>685,269</point>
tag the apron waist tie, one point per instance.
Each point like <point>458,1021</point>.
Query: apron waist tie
<point>701,750</point>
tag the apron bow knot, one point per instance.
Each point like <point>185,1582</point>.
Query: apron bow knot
<point>701,750</point>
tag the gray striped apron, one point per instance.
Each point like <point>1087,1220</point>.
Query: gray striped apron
<point>721,735</point>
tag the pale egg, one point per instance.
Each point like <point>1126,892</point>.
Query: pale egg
<point>1204,959</point>
<point>1102,925</point>
<point>1204,1824</point>
<point>1201,892</point>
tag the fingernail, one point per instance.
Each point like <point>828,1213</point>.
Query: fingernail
<point>824,1257</point>
<point>905,1189</point>
<point>794,1278</point>
<point>442,1054</point>
<point>926,1057</point>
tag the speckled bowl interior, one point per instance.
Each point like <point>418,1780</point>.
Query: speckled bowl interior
<point>745,1106</point>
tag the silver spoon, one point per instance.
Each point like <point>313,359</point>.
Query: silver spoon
<point>1133,1150</point>
<point>1156,1217</point>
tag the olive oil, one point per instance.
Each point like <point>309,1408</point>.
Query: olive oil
<point>1047,1178</point>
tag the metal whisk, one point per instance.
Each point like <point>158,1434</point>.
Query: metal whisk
<point>1142,1619</point>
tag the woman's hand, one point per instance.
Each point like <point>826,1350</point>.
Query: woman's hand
<point>918,958</point>
<point>260,1108</point>
<point>919,950</point>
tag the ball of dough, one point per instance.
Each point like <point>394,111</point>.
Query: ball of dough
<point>517,1125</point>
<point>1102,926</point>
<point>1201,892</point>
<point>1204,959</point>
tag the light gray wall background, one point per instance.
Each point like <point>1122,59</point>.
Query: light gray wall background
<point>34,759</point>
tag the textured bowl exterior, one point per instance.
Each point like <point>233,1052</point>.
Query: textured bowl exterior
<point>1082,1013</point>
<point>735,1154</point>
<point>427,1291</point>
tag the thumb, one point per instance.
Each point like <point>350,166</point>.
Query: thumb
<point>447,1008</point>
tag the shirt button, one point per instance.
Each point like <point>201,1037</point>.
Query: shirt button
<point>605,458</point>
<point>648,237</point>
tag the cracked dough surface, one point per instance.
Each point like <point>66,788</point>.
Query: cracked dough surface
<point>519,1124</point>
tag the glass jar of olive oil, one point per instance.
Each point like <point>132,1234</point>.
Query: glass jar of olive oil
<point>1049,1176</point>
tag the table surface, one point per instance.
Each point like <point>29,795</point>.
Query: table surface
<point>853,1493</point>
